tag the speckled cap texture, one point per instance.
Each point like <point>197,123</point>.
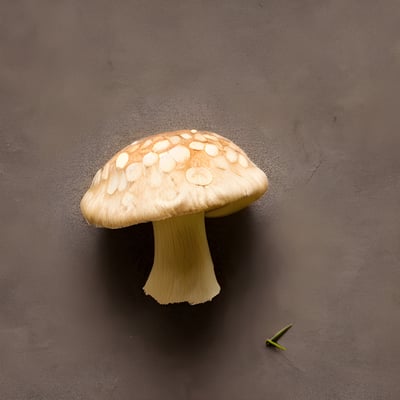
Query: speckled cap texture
<point>172,174</point>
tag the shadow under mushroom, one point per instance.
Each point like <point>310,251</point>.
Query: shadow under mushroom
<point>125,260</point>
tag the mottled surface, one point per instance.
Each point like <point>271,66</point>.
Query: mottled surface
<point>171,174</point>
<point>309,90</point>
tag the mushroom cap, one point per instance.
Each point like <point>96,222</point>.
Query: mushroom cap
<point>172,174</point>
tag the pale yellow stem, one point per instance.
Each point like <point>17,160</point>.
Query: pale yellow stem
<point>183,269</point>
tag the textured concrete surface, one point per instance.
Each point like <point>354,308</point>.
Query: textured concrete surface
<point>310,90</point>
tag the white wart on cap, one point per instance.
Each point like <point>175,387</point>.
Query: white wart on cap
<point>171,175</point>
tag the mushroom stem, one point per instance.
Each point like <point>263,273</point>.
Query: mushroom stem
<point>183,269</point>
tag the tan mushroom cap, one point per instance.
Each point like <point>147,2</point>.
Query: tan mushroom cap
<point>172,174</point>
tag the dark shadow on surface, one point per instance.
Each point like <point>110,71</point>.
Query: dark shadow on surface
<point>126,257</point>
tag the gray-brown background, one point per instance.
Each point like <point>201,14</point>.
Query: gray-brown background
<point>310,90</point>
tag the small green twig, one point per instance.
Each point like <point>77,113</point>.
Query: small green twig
<point>269,342</point>
<point>273,341</point>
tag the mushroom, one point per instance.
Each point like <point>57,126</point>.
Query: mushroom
<point>175,179</point>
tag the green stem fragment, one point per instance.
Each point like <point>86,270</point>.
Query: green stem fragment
<point>269,342</point>
<point>279,334</point>
<point>274,340</point>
